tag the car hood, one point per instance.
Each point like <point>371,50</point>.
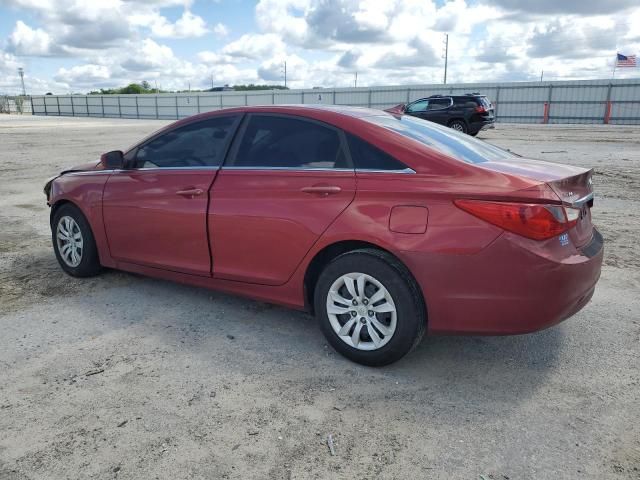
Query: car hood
<point>84,167</point>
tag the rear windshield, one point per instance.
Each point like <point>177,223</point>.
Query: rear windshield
<point>484,101</point>
<point>457,145</point>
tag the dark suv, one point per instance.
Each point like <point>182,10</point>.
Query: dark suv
<point>467,113</point>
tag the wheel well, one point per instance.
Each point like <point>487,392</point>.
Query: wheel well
<point>457,120</point>
<point>55,207</point>
<point>328,253</point>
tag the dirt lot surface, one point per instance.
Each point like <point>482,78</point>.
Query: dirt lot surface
<point>121,376</point>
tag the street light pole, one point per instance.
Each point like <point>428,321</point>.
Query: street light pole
<point>446,55</point>
<point>21,73</point>
<point>285,74</point>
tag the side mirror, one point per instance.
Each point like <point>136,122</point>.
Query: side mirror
<point>112,160</point>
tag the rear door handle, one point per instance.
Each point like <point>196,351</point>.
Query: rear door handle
<point>323,190</point>
<point>190,192</point>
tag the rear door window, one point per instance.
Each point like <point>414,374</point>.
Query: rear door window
<point>439,103</point>
<point>277,141</point>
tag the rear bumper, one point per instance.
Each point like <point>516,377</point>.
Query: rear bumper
<point>505,289</point>
<point>484,125</point>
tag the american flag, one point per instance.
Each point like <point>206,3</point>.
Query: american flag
<point>625,60</point>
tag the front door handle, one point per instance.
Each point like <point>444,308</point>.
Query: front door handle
<point>323,190</point>
<point>190,192</point>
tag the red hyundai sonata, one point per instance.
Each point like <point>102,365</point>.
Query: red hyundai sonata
<point>385,226</point>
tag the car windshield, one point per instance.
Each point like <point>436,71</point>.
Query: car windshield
<point>450,142</point>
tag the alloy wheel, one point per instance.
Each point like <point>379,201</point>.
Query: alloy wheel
<point>361,311</point>
<point>69,241</point>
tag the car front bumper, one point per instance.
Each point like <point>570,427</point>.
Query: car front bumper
<point>505,289</point>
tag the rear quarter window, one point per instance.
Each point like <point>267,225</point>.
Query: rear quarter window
<point>367,157</point>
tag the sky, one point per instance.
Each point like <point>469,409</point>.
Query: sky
<point>82,45</point>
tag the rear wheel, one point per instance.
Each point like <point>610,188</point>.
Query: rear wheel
<point>369,307</point>
<point>73,242</point>
<point>458,125</point>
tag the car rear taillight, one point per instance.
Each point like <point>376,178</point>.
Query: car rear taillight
<point>481,109</point>
<point>531,220</point>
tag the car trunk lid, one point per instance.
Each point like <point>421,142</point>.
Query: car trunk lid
<point>573,186</point>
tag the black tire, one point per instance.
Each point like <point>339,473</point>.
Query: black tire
<point>473,134</point>
<point>89,264</point>
<point>458,125</point>
<point>411,318</point>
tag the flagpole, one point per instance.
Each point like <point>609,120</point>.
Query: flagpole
<point>615,64</point>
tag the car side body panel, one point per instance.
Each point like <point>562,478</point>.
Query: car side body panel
<point>84,189</point>
<point>475,277</point>
<point>158,217</point>
<point>262,223</point>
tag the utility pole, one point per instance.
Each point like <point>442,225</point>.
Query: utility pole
<point>541,75</point>
<point>285,74</point>
<point>212,82</point>
<point>157,91</point>
<point>21,73</point>
<point>355,81</point>
<point>446,55</point>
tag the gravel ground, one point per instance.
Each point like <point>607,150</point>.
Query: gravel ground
<point>127,377</point>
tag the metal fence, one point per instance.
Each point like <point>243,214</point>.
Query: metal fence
<point>18,104</point>
<point>583,101</point>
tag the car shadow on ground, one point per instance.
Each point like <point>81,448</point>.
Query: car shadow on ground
<point>250,337</point>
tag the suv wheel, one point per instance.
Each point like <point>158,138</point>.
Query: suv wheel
<point>369,308</point>
<point>458,125</point>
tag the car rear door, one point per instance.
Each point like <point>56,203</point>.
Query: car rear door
<point>438,110</point>
<point>286,179</point>
<point>155,210</point>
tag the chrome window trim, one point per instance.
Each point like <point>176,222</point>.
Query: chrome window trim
<point>285,169</point>
<point>374,170</point>
<point>208,168</point>
<point>293,169</point>
<point>87,172</point>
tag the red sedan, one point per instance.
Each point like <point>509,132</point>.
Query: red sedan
<point>386,226</point>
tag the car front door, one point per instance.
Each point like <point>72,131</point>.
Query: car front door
<point>284,182</point>
<point>155,209</point>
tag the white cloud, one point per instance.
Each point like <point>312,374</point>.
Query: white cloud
<point>323,41</point>
<point>188,25</point>
<point>25,40</point>
<point>254,46</point>
<point>220,30</point>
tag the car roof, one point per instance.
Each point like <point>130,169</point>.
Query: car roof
<point>347,110</point>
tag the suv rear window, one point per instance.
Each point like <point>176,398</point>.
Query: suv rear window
<point>455,144</point>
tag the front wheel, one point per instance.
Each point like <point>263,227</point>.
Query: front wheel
<point>369,307</point>
<point>73,242</point>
